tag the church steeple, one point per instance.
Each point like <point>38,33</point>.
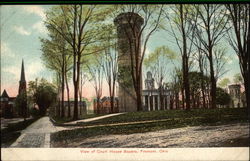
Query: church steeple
<point>22,82</point>
<point>22,111</point>
<point>22,79</point>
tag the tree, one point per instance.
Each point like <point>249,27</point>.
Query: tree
<point>176,86</point>
<point>222,97</point>
<point>239,39</point>
<point>183,20</point>
<point>81,30</point>
<point>196,79</point>
<point>83,80</point>
<point>110,68</point>
<point>220,60</point>
<point>43,94</point>
<point>200,57</point>
<point>96,72</point>
<point>238,78</point>
<point>21,104</point>
<point>137,39</point>
<point>210,29</point>
<point>157,62</point>
<point>56,57</point>
<point>224,82</point>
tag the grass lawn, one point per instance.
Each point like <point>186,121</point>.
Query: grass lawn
<point>162,120</point>
<point>207,115</point>
<point>13,131</point>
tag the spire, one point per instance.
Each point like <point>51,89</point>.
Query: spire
<point>22,73</point>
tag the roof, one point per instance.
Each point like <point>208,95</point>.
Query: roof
<point>4,94</point>
<point>22,79</point>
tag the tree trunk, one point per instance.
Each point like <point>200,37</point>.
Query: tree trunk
<point>111,98</point>
<point>213,82</point>
<point>139,101</point>
<point>67,87</point>
<point>138,95</point>
<point>62,86</point>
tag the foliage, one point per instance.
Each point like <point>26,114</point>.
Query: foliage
<point>238,78</point>
<point>224,82</point>
<point>34,112</point>
<point>21,104</point>
<point>157,62</point>
<point>43,94</point>
<point>222,97</point>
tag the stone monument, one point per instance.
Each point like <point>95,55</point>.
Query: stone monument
<point>127,24</point>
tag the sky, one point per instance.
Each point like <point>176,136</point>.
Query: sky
<point>21,28</point>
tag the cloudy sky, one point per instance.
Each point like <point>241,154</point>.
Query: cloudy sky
<point>21,27</point>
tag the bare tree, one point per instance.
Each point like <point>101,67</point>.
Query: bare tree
<point>200,57</point>
<point>83,80</point>
<point>239,39</point>
<point>210,29</point>
<point>96,73</point>
<point>110,68</point>
<point>183,19</point>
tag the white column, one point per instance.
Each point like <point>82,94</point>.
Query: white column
<point>158,97</point>
<point>148,102</point>
<point>153,102</point>
<point>163,101</point>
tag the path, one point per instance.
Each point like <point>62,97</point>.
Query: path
<point>198,136</point>
<point>37,134</point>
<point>94,118</point>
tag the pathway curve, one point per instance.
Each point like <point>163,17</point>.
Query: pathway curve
<point>37,135</point>
<point>94,118</point>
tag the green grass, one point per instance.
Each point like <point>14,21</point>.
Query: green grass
<point>176,119</point>
<point>13,131</point>
<point>208,115</point>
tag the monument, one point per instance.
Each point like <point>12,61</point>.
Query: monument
<point>128,26</point>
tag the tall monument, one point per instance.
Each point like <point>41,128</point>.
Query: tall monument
<point>128,24</point>
<point>22,93</point>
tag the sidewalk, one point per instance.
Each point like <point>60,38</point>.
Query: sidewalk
<point>37,135</point>
<point>93,119</point>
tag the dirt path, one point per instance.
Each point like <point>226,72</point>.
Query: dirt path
<point>199,136</point>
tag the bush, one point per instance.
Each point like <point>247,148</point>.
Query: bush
<point>222,97</point>
<point>34,112</point>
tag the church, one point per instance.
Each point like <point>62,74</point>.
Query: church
<point>7,104</point>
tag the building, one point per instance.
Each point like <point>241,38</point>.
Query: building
<point>156,99</point>
<point>8,109</point>
<point>7,104</point>
<point>238,98</point>
<point>104,106</point>
<point>82,108</point>
<point>126,92</point>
